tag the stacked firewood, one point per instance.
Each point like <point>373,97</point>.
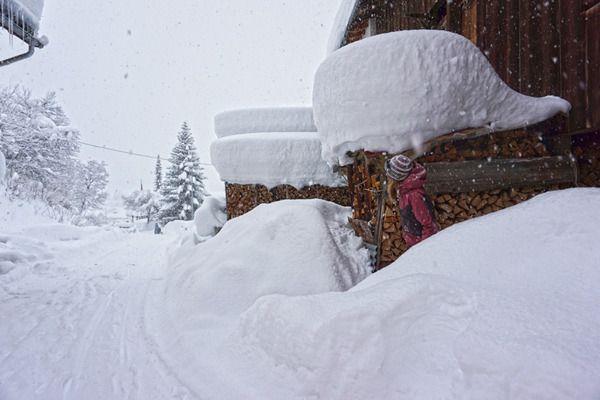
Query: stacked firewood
<point>366,184</point>
<point>451,208</point>
<point>511,144</point>
<point>243,198</point>
<point>588,160</point>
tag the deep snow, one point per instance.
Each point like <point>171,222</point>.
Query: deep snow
<point>257,120</point>
<point>395,91</point>
<point>272,159</point>
<point>502,306</point>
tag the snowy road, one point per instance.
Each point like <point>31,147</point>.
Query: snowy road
<point>72,321</point>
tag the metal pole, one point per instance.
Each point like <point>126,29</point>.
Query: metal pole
<point>192,184</point>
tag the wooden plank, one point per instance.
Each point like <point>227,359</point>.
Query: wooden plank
<point>454,15</point>
<point>512,74</point>
<point>592,36</point>
<point>472,176</point>
<point>572,62</point>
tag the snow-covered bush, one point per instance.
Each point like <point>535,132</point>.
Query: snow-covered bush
<point>210,217</point>
<point>143,204</point>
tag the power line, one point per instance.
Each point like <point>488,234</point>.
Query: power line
<point>131,153</point>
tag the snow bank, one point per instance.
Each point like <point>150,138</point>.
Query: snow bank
<point>502,306</point>
<point>291,247</point>
<point>273,158</point>
<point>255,120</point>
<point>342,19</point>
<point>211,216</point>
<point>393,91</point>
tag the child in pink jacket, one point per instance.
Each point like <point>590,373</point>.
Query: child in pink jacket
<point>417,214</point>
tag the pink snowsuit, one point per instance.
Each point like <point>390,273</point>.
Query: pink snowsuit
<point>418,218</point>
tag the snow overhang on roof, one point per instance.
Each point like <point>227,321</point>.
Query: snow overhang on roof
<point>344,16</point>
<point>21,18</point>
<point>396,91</point>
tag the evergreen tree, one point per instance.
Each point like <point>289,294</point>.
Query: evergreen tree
<point>183,190</point>
<point>158,175</point>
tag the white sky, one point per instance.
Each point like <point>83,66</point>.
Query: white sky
<point>128,73</point>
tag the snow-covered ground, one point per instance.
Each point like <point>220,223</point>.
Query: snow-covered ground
<point>280,305</point>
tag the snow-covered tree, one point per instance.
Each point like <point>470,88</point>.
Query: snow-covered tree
<point>89,186</point>
<point>183,188</point>
<point>39,145</point>
<point>143,203</point>
<point>158,178</point>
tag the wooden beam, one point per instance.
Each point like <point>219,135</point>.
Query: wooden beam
<point>472,176</point>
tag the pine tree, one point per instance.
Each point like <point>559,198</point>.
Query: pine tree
<point>158,175</point>
<point>183,190</point>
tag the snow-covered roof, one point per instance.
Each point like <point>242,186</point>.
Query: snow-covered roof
<point>394,91</point>
<point>272,159</point>
<point>340,24</point>
<point>282,119</point>
<point>27,11</point>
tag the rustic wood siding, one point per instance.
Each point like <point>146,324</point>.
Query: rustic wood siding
<point>592,82</point>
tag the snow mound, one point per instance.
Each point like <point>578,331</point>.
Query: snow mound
<point>394,91</point>
<point>272,159</point>
<point>255,120</point>
<point>501,306</point>
<point>292,247</point>
<point>211,216</point>
<point>18,254</point>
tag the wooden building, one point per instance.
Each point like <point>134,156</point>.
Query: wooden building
<point>538,48</point>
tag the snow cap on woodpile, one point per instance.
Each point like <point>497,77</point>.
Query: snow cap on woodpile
<point>248,151</point>
<point>395,91</point>
<point>282,119</point>
<point>272,159</point>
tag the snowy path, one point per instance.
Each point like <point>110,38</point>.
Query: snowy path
<point>74,326</point>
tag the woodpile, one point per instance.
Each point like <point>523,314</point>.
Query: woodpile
<point>243,198</point>
<point>511,144</point>
<point>588,160</point>
<point>366,177</point>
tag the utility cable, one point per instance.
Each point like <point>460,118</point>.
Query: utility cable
<point>131,153</point>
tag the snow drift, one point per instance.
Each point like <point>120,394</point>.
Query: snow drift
<point>272,159</point>
<point>255,120</point>
<point>502,306</point>
<point>210,217</point>
<point>392,91</point>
